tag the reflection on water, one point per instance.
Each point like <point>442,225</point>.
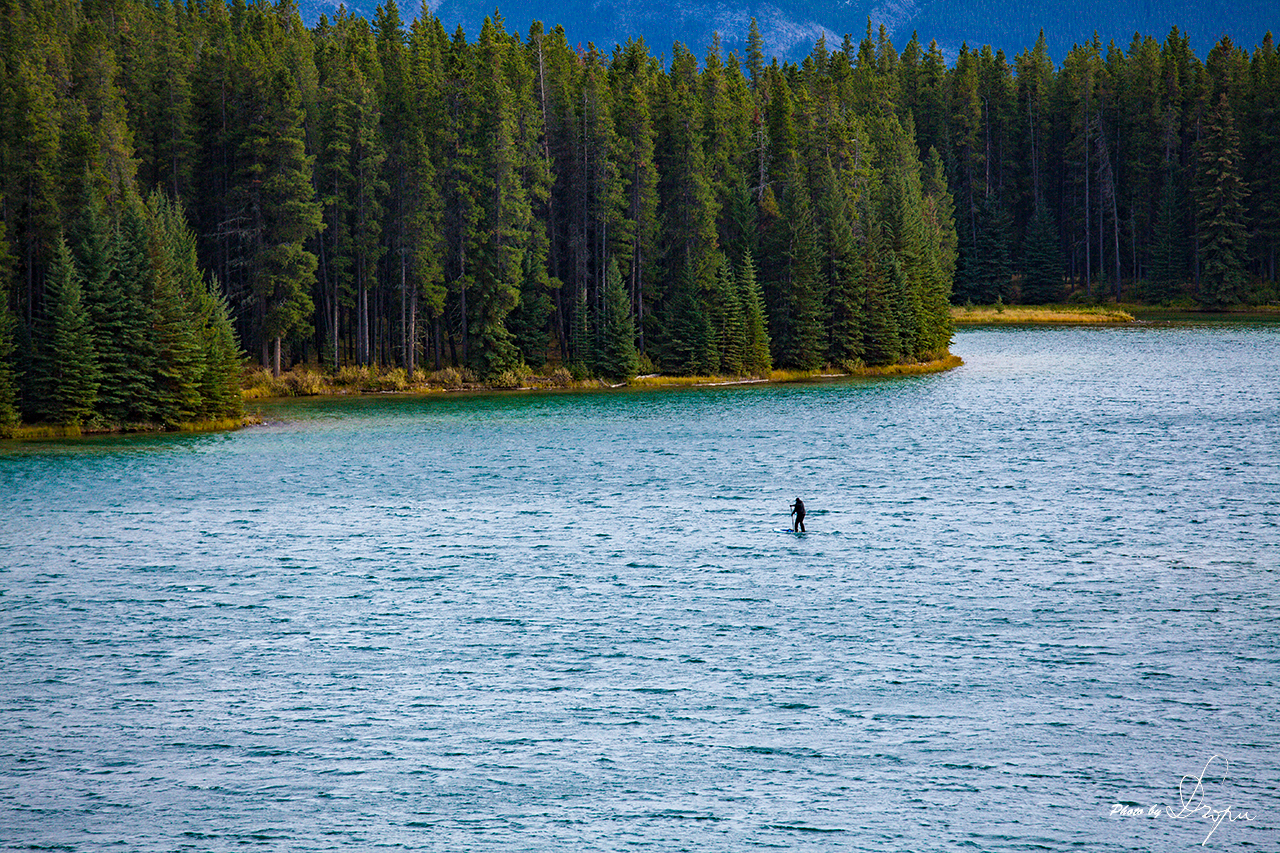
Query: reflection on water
<point>1033,589</point>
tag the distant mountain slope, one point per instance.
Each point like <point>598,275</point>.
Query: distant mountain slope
<point>790,27</point>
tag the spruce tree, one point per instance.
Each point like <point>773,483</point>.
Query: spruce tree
<point>724,310</point>
<point>756,359</point>
<point>1220,209</point>
<point>990,269</point>
<point>1042,273</point>
<point>940,226</point>
<point>616,357</point>
<point>528,321</point>
<point>129,323</point>
<point>686,343</point>
<point>844,296</point>
<point>8,374</point>
<point>1260,138</point>
<point>501,237</point>
<point>1168,265</point>
<point>808,289</point>
<point>179,358</point>
<point>215,364</point>
<point>581,351</point>
<point>9,387</point>
<point>881,342</point>
<point>219,383</point>
<point>109,308</point>
<point>63,382</point>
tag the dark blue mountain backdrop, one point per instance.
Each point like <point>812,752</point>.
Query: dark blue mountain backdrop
<point>790,27</point>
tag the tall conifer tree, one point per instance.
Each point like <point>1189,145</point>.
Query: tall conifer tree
<point>616,357</point>
<point>1221,209</point>
<point>63,380</point>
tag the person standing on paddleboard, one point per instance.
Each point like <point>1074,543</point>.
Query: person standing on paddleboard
<point>797,509</point>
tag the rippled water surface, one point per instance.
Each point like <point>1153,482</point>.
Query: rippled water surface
<point>1032,590</point>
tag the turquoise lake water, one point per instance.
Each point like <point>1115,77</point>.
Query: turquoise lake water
<point>1036,592</point>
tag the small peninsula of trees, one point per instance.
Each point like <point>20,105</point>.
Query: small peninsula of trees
<point>179,176</point>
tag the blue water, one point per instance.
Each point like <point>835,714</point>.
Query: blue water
<point>1034,590</point>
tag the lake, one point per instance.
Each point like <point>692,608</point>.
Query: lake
<point>1036,595</point>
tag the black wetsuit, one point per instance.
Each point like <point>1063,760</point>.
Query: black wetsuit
<point>797,509</point>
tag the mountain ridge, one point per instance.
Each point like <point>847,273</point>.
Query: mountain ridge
<point>791,27</point>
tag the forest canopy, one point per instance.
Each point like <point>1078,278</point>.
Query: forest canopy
<point>178,177</point>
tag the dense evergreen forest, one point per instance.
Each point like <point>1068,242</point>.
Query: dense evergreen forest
<point>387,193</point>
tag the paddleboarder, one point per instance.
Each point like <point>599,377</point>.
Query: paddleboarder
<point>797,509</point>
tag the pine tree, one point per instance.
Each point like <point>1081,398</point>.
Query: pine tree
<point>157,63</point>
<point>968,169</point>
<point>333,178</point>
<point>634,125</point>
<point>31,144</point>
<point>686,195</point>
<point>283,214</point>
<point>368,185</point>
<point>401,134</point>
<point>425,231</point>
<point>901,213</point>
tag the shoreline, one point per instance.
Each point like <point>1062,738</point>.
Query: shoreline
<point>1112,314</point>
<point>656,381</point>
<point>1019,315</point>
<point>36,432</point>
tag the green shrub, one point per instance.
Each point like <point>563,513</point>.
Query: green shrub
<point>258,382</point>
<point>354,376</point>
<point>452,377</point>
<point>507,379</point>
<point>302,382</point>
<point>394,379</point>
